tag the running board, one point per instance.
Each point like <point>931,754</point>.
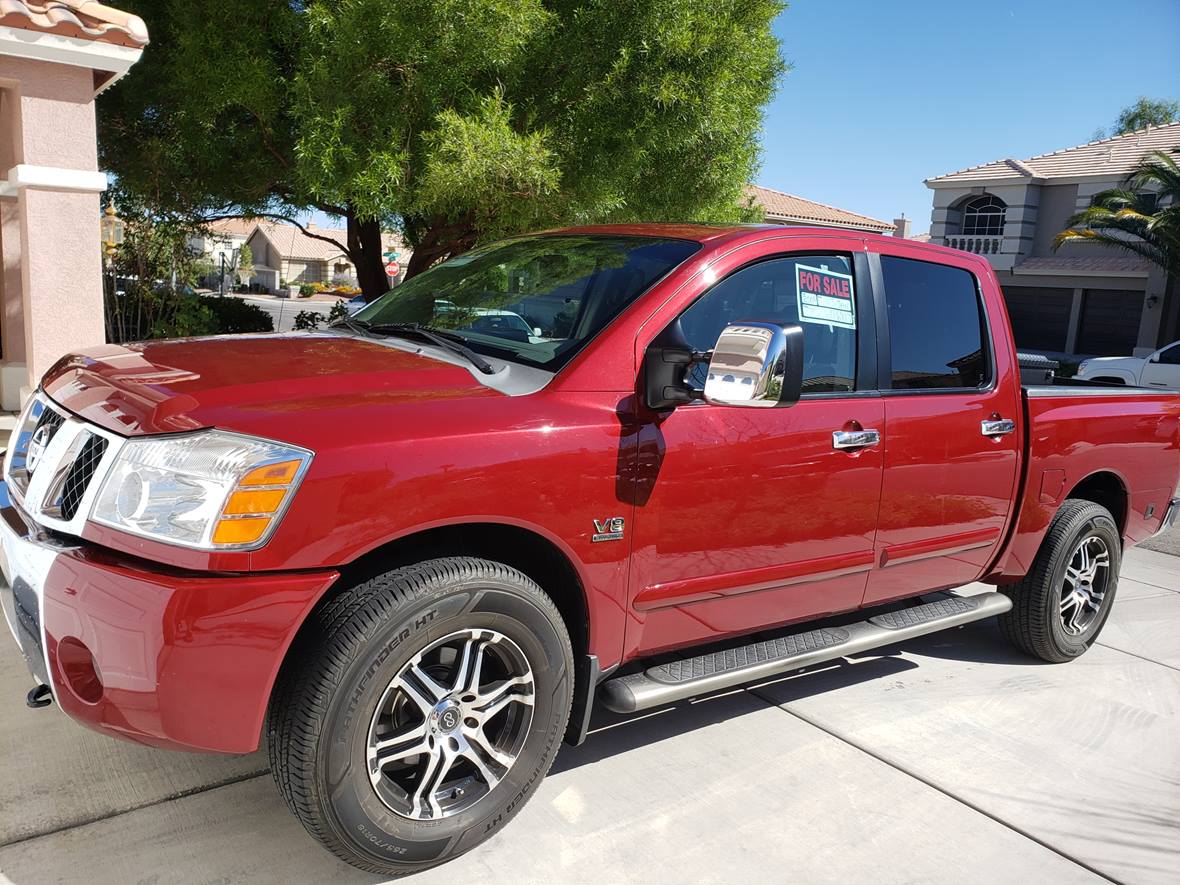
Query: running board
<point>687,678</point>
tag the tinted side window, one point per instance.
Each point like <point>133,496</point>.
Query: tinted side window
<point>935,326</point>
<point>772,291</point>
<point>1171,356</point>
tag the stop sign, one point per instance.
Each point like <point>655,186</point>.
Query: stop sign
<point>393,269</point>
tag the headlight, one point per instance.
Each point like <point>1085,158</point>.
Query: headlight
<point>209,490</point>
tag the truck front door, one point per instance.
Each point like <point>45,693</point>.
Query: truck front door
<point>756,516</point>
<point>953,427</point>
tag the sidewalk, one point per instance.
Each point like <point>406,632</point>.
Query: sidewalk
<point>948,758</point>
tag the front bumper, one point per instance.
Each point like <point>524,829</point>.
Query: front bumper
<point>133,649</point>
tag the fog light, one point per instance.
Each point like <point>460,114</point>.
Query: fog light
<point>79,670</point>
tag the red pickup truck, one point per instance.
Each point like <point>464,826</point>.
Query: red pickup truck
<point>409,553</point>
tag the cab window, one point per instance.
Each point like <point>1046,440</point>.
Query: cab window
<point>936,326</point>
<point>775,290</point>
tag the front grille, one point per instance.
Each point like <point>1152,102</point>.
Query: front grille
<point>55,463</point>
<point>51,419</point>
<point>81,472</point>
<point>41,421</point>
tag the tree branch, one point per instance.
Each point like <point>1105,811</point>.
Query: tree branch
<point>278,216</point>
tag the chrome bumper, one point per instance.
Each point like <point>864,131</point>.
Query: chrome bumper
<point>24,567</point>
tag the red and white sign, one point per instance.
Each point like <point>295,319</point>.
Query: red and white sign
<point>393,269</point>
<point>825,297</point>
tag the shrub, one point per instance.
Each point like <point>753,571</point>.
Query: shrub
<point>233,315</point>
<point>143,312</point>
<point>307,320</point>
<point>306,290</point>
<point>338,312</point>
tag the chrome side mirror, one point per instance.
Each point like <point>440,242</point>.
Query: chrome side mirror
<point>756,364</point>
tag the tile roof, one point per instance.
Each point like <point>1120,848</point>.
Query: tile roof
<point>290,241</point>
<point>82,19</point>
<point>1081,265</point>
<point>233,227</point>
<point>1116,156</point>
<point>780,206</point>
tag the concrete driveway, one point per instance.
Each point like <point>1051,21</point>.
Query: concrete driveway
<point>948,758</point>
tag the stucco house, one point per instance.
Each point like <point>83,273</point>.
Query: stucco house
<point>284,252</point>
<point>225,237</point>
<point>55,57</point>
<point>778,207</point>
<point>1082,299</point>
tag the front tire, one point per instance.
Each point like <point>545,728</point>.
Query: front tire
<point>1061,605</point>
<point>420,711</point>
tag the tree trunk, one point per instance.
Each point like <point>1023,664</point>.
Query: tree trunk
<point>365,250</point>
<point>439,242</point>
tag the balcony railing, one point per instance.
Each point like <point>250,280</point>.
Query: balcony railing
<point>980,245</point>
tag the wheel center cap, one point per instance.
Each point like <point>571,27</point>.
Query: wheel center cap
<point>448,718</point>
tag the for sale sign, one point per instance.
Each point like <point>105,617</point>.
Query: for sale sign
<point>825,297</point>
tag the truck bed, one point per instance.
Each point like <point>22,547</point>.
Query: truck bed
<point>1098,437</point>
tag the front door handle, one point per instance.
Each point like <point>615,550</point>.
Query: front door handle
<point>997,426</point>
<point>855,439</point>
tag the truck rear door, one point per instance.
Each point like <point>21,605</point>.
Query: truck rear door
<point>952,422</point>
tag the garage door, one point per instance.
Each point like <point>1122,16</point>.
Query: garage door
<point>1040,317</point>
<point>1110,322</point>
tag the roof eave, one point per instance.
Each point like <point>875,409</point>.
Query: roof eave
<point>110,61</point>
<point>871,224</point>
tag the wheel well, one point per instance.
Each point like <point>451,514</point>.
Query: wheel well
<point>519,548</point>
<point>1105,489</point>
<point>1110,379</point>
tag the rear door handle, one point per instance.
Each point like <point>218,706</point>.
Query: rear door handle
<point>855,439</point>
<point>997,426</point>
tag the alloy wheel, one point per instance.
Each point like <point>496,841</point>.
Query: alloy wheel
<point>450,725</point>
<point>1087,579</point>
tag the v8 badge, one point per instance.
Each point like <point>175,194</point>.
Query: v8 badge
<point>608,529</point>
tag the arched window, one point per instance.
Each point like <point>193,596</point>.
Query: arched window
<point>984,216</point>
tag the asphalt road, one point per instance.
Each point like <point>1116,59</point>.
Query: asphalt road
<point>950,758</point>
<point>283,310</point>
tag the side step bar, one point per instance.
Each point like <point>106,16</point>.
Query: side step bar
<point>731,667</point>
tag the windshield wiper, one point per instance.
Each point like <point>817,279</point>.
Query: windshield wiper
<point>348,322</point>
<point>445,340</point>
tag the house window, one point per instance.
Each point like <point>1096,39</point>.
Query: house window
<point>984,216</point>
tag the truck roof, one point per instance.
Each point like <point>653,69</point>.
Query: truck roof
<point>714,233</point>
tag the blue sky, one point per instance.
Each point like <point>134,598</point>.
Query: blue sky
<point>885,94</point>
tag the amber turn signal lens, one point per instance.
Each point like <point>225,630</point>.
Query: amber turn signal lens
<point>254,502</point>
<point>278,474</point>
<point>240,531</point>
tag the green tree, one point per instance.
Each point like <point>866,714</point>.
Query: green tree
<point>1146,112</point>
<point>457,121</point>
<point>1143,113</point>
<point>245,268</point>
<point>1131,218</point>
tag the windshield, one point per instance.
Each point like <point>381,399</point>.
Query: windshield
<point>535,300</point>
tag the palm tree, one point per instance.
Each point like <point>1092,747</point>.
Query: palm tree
<point>1131,218</point>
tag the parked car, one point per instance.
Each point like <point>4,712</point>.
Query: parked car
<point>409,556</point>
<point>502,324</point>
<point>1160,369</point>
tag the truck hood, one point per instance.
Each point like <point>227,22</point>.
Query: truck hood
<point>1129,363</point>
<point>236,381</point>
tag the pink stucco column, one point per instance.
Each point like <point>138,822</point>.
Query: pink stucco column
<point>56,188</point>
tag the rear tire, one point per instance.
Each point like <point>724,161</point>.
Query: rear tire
<point>420,711</point>
<point>1061,605</point>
